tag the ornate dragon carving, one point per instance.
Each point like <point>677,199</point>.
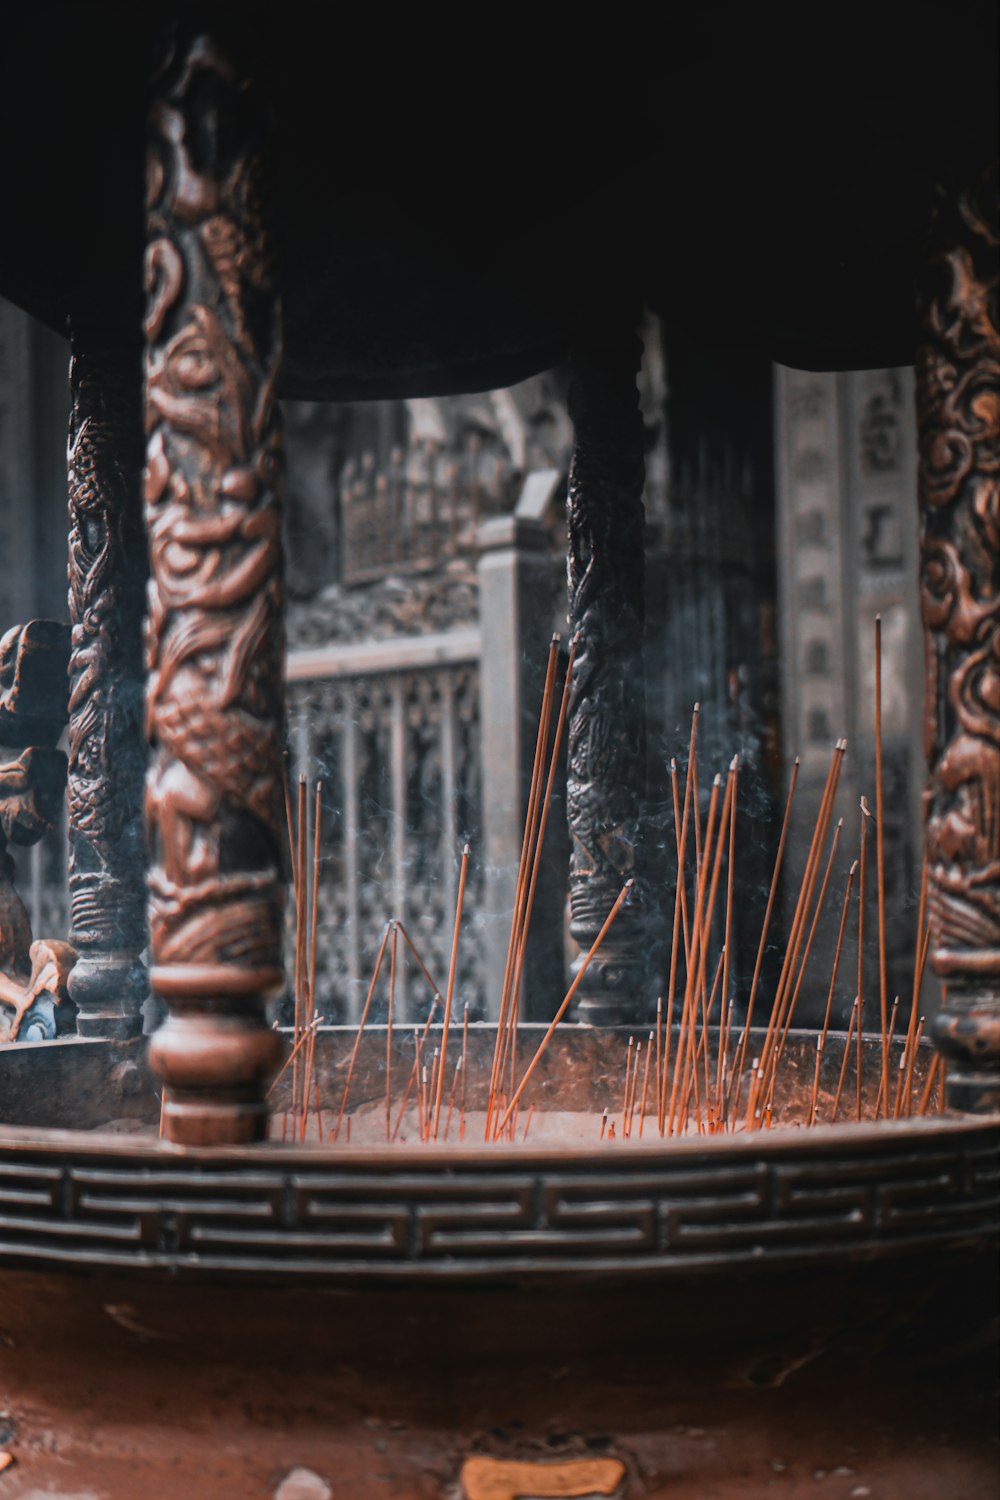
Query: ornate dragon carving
<point>107,753</point>
<point>606,772</point>
<point>958,413</point>
<point>214,631</point>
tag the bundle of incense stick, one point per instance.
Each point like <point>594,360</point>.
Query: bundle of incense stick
<point>672,1086</point>
<point>305,895</point>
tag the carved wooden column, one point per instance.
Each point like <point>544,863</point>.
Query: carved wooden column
<point>107,748</point>
<point>214,635</point>
<point>958,414</point>
<point>606,778</point>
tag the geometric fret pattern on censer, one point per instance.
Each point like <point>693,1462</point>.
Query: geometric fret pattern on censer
<point>241,1213</point>
<point>399,756</point>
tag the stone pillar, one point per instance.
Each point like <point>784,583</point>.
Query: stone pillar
<point>214,632</point>
<point>516,608</point>
<point>606,780</point>
<point>107,748</point>
<point>958,417</point>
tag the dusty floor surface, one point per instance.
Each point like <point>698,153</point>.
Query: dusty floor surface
<point>879,1383</point>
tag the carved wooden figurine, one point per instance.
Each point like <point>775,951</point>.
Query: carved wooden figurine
<point>33,661</point>
<point>214,632</point>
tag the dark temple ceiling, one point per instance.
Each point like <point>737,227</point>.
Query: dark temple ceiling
<point>456,206</point>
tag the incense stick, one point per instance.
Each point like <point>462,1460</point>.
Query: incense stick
<point>530,820</point>
<point>925,1098</point>
<point>630,1107</point>
<point>727,1003</point>
<point>465,1067</point>
<point>798,923</point>
<point>680,827</point>
<point>311,1050</point>
<point>435,991</point>
<point>883,1083</point>
<point>880,857</point>
<point>290,1058</point>
<point>785,824</point>
<point>692,984</point>
<point>786,1026</point>
<point>843,1065</point>
<point>419,1040</point>
<point>300,940</point>
<point>451,1098</point>
<point>908,1105</point>
<point>451,984</point>
<point>567,1000</point>
<point>361,1027</point>
<point>510,1043</point>
<point>388,1031</point>
<point>628,1074</point>
<point>923,940</point>
<point>865,815</point>
<point>645,1085</point>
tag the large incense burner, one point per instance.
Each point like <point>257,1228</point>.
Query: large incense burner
<point>208,1286</point>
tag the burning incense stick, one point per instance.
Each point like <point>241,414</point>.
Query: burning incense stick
<point>301,916</point>
<point>451,984</point>
<point>785,823</point>
<point>659,1055</point>
<point>530,824</point>
<point>692,782</point>
<point>546,804</point>
<point>451,1098</point>
<point>435,991</point>
<point>883,1083</point>
<point>695,978</point>
<point>291,1057</point>
<point>785,1028</point>
<point>290,823</point>
<point>567,1000</point>
<point>630,1106</point>
<point>923,941</point>
<point>925,1098</point>
<point>727,1004</point>
<point>681,836</point>
<point>865,815</point>
<point>388,1031</point>
<point>628,1075</point>
<point>645,1084</point>
<point>361,1027</point>
<point>414,1072</point>
<point>798,923</point>
<point>310,1069</point>
<point>811,1118</point>
<point>880,858</point>
<point>465,1067</point>
<point>843,1066</point>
